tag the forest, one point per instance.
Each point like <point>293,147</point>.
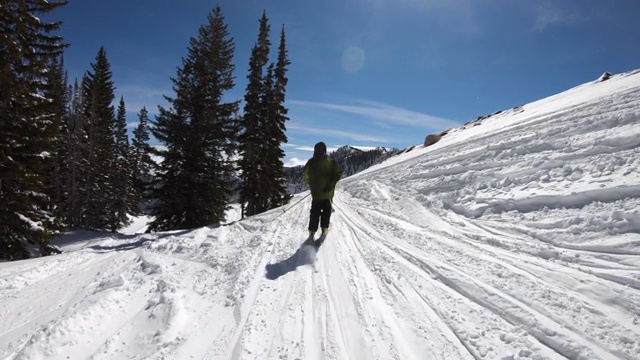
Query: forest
<point>67,161</point>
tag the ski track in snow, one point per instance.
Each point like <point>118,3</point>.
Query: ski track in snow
<point>517,238</point>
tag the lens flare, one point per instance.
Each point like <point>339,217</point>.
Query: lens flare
<point>353,59</point>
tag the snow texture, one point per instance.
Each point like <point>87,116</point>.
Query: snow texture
<point>515,237</point>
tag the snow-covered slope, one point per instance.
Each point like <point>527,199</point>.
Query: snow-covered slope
<point>516,238</point>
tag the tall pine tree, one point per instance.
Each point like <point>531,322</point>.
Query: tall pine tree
<point>98,94</point>
<point>275,128</point>
<point>194,179</point>
<point>75,140</point>
<point>142,164</point>
<point>120,174</point>
<point>59,93</point>
<point>27,124</point>
<point>263,128</point>
<point>251,138</point>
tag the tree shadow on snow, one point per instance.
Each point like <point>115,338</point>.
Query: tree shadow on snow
<point>302,256</point>
<point>102,241</point>
<point>142,239</point>
<point>120,247</point>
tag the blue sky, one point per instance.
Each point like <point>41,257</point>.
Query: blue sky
<point>368,72</point>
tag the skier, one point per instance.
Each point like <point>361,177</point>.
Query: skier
<point>321,174</point>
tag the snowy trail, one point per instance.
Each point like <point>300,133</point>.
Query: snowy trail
<point>518,238</point>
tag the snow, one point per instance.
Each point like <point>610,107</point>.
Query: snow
<point>137,225</point>
<point>515,237</point>
<point>33,225</point>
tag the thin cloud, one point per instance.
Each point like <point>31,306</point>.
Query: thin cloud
<point>383,113</point>
<point>550,14</point>
<point>310,148</point>
<point>136,97</point>
<point>338,133</point>
<point>295,162</point>
<point>456,18</point>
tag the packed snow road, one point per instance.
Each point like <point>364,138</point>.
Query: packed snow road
<point>516,238</point>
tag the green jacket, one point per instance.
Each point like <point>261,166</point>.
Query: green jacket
<point>321,173</point>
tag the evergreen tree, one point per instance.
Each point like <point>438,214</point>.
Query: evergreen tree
<point>120,174</point>
<point>275,128</point>
<point>263,179</point>
<point>27,124</point>
<point>251,139</point>
<point>76,163</point>
<point>58,92</point>
<point>264,171</point>
<point>193,183</point>
<point>141,162</point>
<point>170,186</point>
<point>98,93</point>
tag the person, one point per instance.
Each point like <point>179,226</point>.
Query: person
<point>321,174</point>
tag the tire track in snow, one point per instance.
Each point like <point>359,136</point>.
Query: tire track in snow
<point>546,272</point>
<point>243,309</point>
<point>313,345</point>
<point>341,340</point>
<point>381,267</point>
<point>360,300</point>
<point>255,335</point>
<point>324,309</point>
<point>488,302</point>
<point>428,272</point>
<point>444,327</point>
<point>344,331</point>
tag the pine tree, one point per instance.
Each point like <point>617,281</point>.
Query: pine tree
<point>251,139</point>
<point>267,116</point>
<point>76,164</point>
<point>275,127</point>
<point>141,162</point>
<point>263,179</point>
<point>27,124</point>
<point>120,174</point>
<point>98,93</point>
<point>58,92</point>
<point>193,183</point>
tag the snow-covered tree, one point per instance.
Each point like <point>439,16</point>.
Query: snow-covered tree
<point>27,124</point>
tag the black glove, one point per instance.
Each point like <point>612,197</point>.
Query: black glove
<point>327,188</point>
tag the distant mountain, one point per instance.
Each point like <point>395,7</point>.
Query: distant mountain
<point>352,160</point>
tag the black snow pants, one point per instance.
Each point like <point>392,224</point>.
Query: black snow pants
<point>320,213</point>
